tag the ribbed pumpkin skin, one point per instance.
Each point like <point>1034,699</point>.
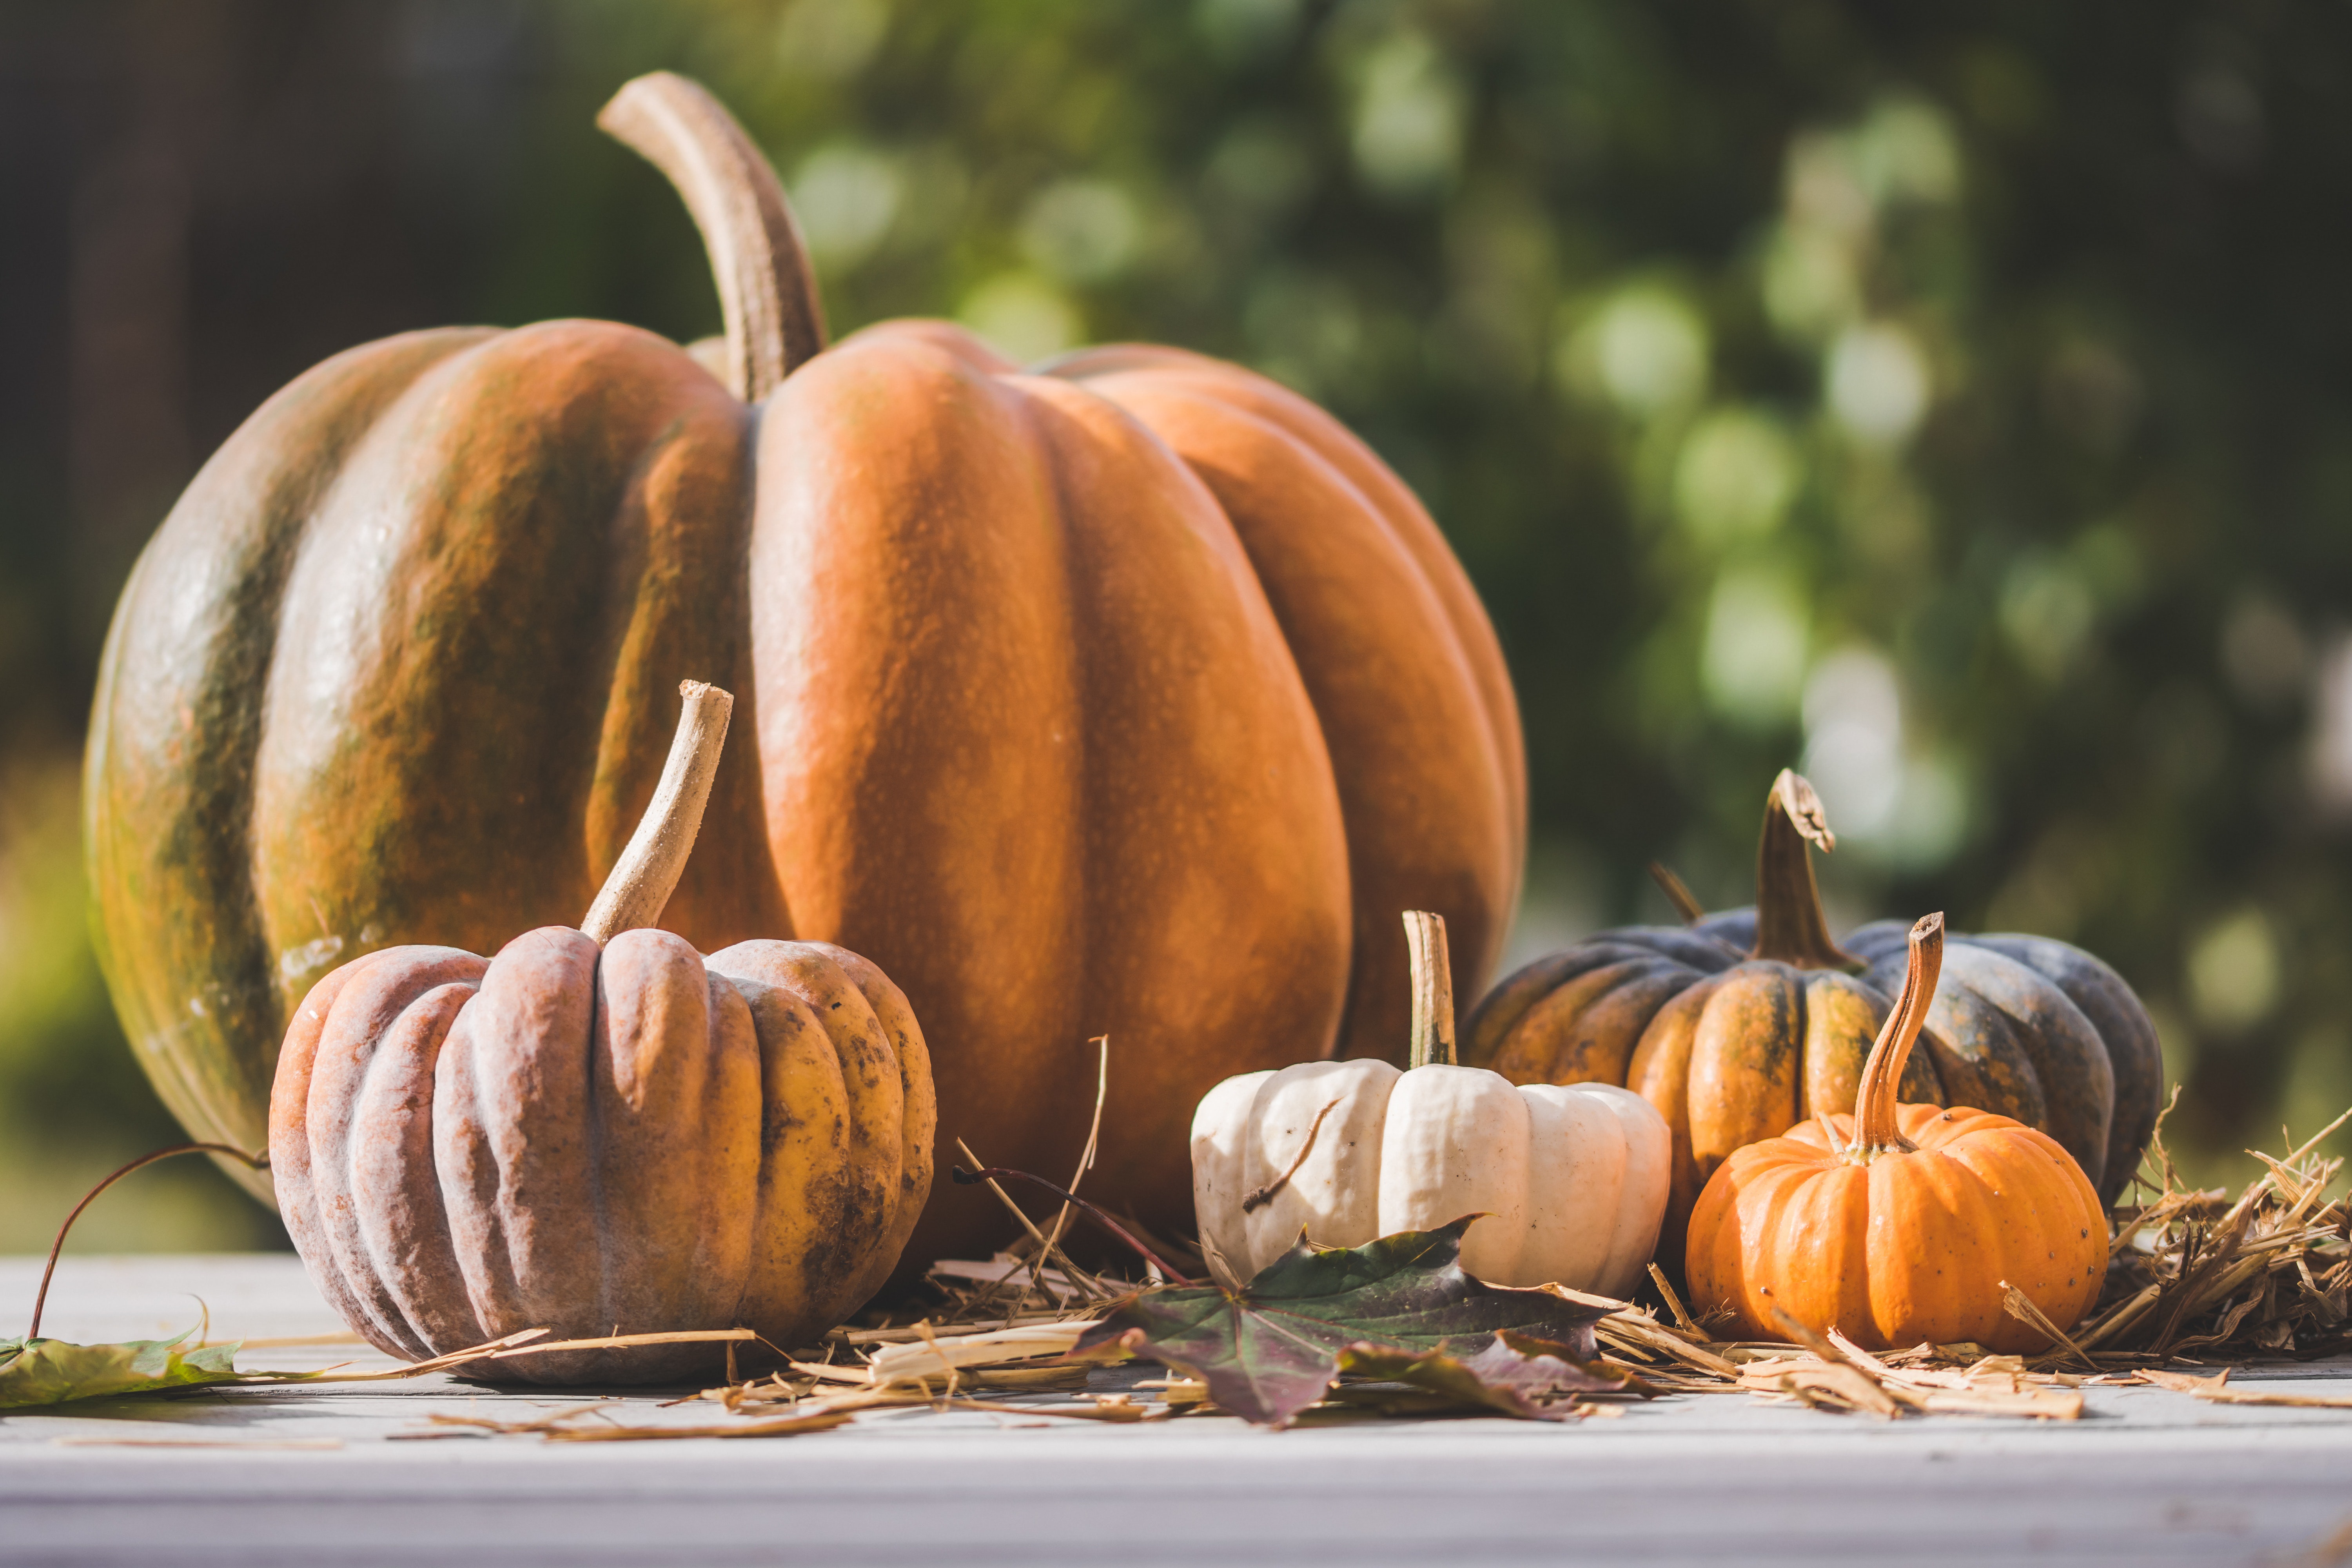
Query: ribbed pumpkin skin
<point>582,1140</point>
<point>1912,1247</point>
<point>1572,1180</point>
<point>1134,698</point>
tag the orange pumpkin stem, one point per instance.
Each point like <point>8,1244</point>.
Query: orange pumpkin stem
<point>1433,991</point>
<point>1875,1128</point>
<point>1789,926</point>
<point>648,869</point>
<point>767,289</point>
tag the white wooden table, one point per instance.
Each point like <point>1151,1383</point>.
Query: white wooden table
<point>319,1477</point>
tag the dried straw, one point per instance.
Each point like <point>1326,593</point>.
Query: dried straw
<point>2264,1275</point>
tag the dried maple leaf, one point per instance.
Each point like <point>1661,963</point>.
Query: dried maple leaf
<point>1270,1349</point>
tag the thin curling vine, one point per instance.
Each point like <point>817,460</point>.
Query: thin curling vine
<point>41,1300</point>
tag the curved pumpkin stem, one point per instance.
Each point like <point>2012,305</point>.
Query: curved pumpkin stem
<point>648,869</point>
<point>1433,991</point>
<point>767,289</point>
<point>1789,926</point>
<point>1875,1126</point>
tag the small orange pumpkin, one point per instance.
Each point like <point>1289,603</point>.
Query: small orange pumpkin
<point>1901,1223</point>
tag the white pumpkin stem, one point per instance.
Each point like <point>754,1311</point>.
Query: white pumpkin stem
<point>1433,990</point>
<point>1875,1126</point>
<point>767,289</point>
<point>1790,925</point>
<point>648,869</point>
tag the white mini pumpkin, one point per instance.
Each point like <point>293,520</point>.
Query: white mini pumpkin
<point>1574,1177</point>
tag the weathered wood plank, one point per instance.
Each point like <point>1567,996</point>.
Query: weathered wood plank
<point>2148,1478</point>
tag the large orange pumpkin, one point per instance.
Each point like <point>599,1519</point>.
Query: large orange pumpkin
<point>1901,1223</point>
<point>1133,695</point>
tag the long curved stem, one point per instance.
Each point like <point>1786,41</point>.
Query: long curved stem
<point>1790,925</point>
<point>648,869</point>
<point>1875,1126</point>
<point>1433,990</point>
<point>767,289</point>
<point>41,1298</point>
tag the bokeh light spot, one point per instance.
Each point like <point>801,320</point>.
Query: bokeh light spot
<point>1735,477</point>
<point>1878,383</point>
<point>1931,815</point>
<point>1853,739</point>
<point>1245,29</point>
<point>1023,316</point>
<point>1825,191</point>
<point>845,196</point>
<point>1753,664</point>
<point>2233,972</point>
<point>1081,231</point>
<point>1905,152</point>
<point>1645,349</point>
<point>1811,282</point>
<point>2263,650</point>
<point>830,39</point>
<point>2331,731</point>
<point>1408,129</point>
<point>1259,165</point>
<point>2046,611</point>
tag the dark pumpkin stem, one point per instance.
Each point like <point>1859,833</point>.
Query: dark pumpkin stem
<point>41,1297</point>
<point>964,1178</point>
<point>1678,892</point>
<point>1789,926</point>
<point>647,871</point>
<point>767,289</point>
<point>1433,991</point>
<point>1875,1126</point>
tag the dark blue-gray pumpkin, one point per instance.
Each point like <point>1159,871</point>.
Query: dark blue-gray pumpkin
<point>1742,1024</point>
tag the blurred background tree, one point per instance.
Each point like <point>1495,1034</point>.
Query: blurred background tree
<point>1952,404</point>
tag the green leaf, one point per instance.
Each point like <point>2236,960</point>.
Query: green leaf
<point>51,1372</point>
<point>1272,1348</point>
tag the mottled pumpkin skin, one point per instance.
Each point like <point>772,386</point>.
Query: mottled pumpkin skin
<point>1734,1051</point>
<point>1134,697</point>
<point>2031,1028</point>
<point>1749,1053</point>
<point>585,1139</point>
<point>1575,1016</point>
<point>1911,1246</point>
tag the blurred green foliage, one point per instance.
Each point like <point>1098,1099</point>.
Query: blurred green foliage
<point>1951,403</point>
